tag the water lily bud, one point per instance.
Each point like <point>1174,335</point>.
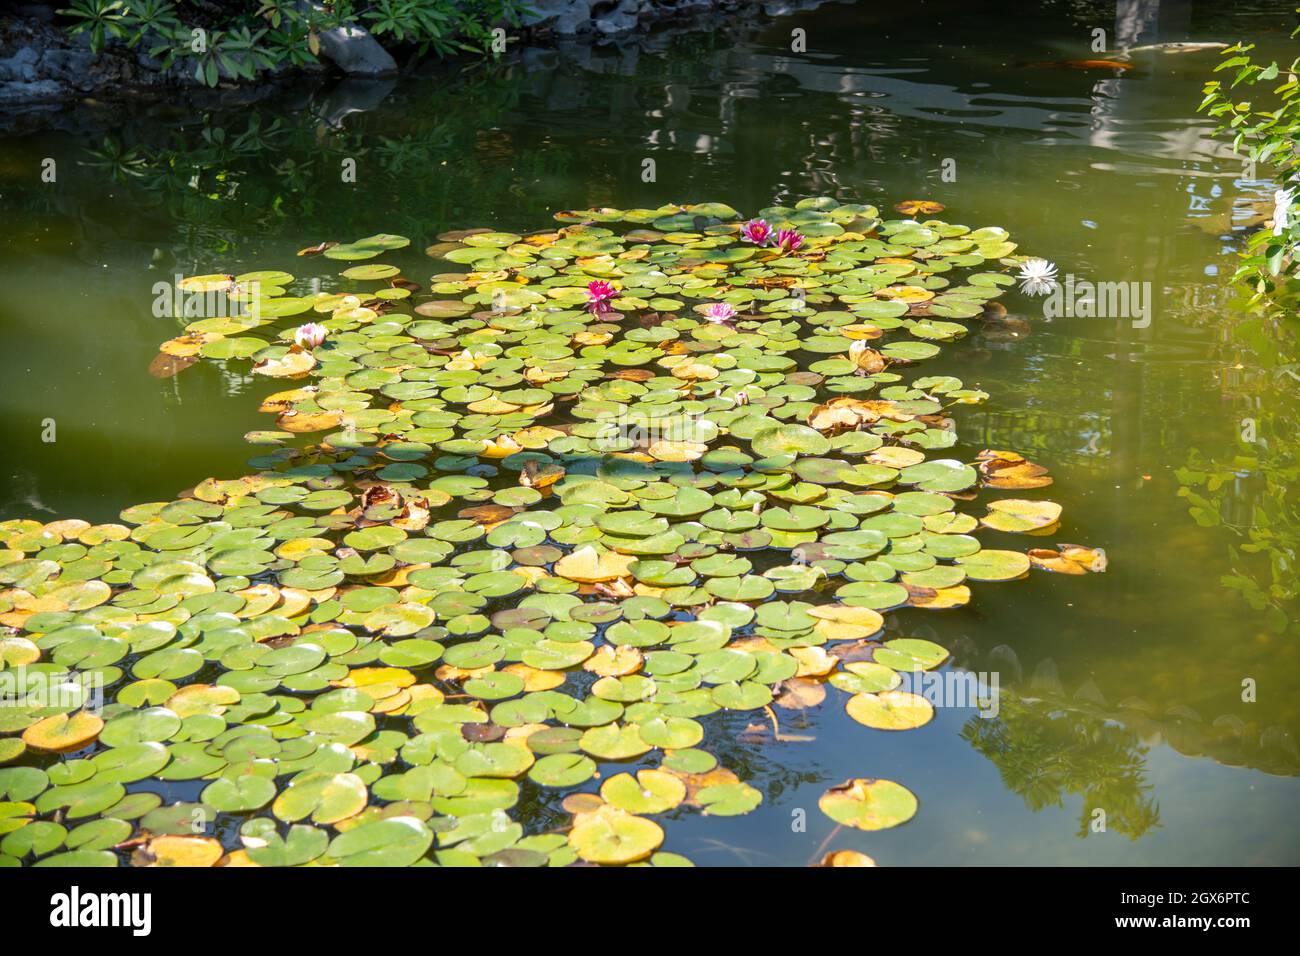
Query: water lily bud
<point>789,239</point>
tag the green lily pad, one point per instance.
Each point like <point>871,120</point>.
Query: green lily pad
<point>910,654</point>
<point>396,841</point>
<point>239,794</point>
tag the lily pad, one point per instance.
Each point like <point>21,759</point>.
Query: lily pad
<point>869,804</point>
<point>890,710</point>
<point>610,835</point>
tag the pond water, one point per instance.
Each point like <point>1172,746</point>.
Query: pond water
<point>1120,690</point>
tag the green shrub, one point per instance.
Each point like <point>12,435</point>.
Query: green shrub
<point>245,38</point>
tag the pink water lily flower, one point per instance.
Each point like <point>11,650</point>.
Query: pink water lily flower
<point>600,292</point>
<point>309,336</point>
<point>720,312</point>
<point>756,231</point>
<point>789,239</point>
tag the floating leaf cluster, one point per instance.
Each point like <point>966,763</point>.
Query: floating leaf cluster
<point>534,548</point>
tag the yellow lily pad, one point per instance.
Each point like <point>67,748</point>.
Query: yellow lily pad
<point>890,710</point>
<point>614,836</point>
<point>869,804</point>
<point>62,732</point>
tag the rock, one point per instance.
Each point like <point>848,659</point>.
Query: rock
<point>356,52</point>
<point>352,49</point>
<point>544,11</point>
<point>618,23</point>
<point>616,16</point>
<point>571,25</point>
<point>66,65</point>
<point>148,62</point>
<point>20,66</point>
<point>20,92</point>
<point>574,20</point>
<point>564,17</point>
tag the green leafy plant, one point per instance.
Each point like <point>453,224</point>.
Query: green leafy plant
<point>237,54</point>
<point>1266,130</point>
<point>145,16</point>
<point>279,12</point>
<point>407,20</point>
<point>292,44</point>
<point>102,19</point>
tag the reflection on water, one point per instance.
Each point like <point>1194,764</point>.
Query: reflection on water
<point>1125,695</point>
<point>1046,753</point>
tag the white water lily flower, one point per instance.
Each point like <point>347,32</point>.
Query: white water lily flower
<point>1037,277</point>
<point>309,336</point>
<point>1282,199</point>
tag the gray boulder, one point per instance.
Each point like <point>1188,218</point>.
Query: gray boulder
<point>352,49</point>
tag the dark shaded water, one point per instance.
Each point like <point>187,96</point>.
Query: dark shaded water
<point>1120,691</point>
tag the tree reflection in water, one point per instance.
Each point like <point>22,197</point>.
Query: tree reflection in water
<point>1046,752</point>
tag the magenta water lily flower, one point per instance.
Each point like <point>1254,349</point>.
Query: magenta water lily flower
<point>756,231</point>
<point>309,336</point>
<point>600,293</point>
<point>720,312</point>
<point>789,239</point>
